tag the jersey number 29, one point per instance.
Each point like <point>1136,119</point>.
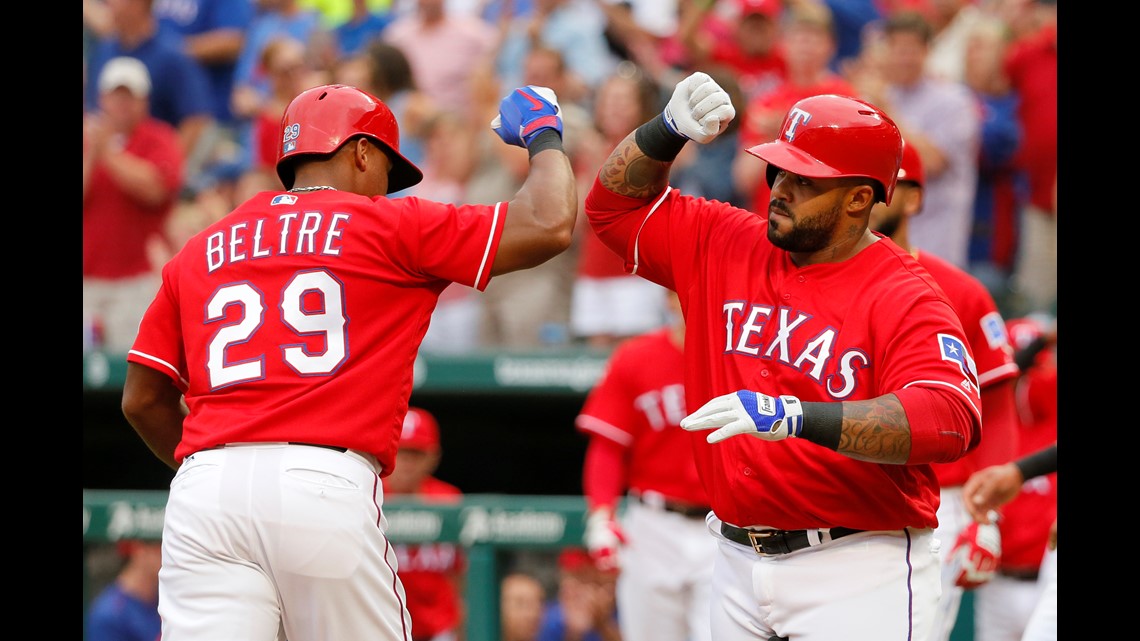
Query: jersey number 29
<point>330,321</point>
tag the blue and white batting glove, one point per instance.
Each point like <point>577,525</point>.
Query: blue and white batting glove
<point>699,109</point>
<point>525,112</point>
<point>772,418</point>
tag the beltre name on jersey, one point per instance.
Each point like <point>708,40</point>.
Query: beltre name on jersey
<point>293,232</point>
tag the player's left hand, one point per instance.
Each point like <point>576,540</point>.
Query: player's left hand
<point>772,418</point>
<point>699,108</point>
<point>976,554</point>
<point>525,112</point>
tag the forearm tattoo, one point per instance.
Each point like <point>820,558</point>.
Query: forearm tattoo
<point>876,430</point>
<point>629,172</point>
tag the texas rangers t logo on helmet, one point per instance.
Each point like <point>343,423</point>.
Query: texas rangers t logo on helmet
<point>796,117</point>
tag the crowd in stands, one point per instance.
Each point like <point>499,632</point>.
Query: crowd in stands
<point>971,83</point>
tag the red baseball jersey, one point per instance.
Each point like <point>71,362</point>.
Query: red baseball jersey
<point>638,403</point>
<point>848,331</point>
<point>429,572</point>
<point>993,355</point>
<point>298,316</point>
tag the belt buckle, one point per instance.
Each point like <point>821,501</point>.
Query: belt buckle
<point>756,538</point>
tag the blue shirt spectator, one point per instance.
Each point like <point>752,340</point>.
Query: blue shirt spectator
<point>354,34</point>
<point>191,19</point>
<point>179,88</point>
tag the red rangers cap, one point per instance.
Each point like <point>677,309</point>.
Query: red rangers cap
<point>768,8</point>
<point>421,431</point>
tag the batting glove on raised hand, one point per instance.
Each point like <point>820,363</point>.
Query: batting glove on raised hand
<point>603,538</point>
<point>772,418</point>
<point>699,109</point>
<point>976,554</point>
<point>525,112</point>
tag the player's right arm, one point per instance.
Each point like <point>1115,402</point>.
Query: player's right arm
<point>153,405</point>
<point>540,218</point>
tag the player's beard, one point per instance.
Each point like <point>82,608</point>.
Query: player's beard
<point>808,234</point>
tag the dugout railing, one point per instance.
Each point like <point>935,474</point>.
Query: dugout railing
<point>486,525</point>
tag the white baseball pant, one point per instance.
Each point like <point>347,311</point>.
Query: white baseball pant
<point>263,542</point>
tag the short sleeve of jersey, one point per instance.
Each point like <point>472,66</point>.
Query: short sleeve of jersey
<point>456,243</point>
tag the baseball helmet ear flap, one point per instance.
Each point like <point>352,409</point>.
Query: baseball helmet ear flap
<point>319,120</point>
<point>833,136</point>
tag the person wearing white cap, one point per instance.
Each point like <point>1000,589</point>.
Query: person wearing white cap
<point>132,174</point>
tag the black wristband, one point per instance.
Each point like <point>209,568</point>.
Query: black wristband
<point>823,424</point>
<point>1037,464</point>
<point>1025,356</point>
<point>657,141</point>
<point>543,140</point>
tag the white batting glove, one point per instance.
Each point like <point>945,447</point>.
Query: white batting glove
<point>699,109</point>
<point>976,554</point>
<point>772,418</point>
<point>603,538</point>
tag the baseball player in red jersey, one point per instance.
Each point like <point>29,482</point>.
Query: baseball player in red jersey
<point>830,347</point>
<point>432,573</point>
<point>289,329</point>
<point>633,416</point>
<point>970,552</point>
<point>1004,606</point>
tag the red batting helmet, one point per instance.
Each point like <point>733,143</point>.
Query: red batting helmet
<point>911,167</point>
<point>831,136</point>
<point>321,119</point>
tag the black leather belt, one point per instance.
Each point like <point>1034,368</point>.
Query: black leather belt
<point>327,447</point>
<point>684,509</point>
<point>780,541</point>
<point>1027,574</point>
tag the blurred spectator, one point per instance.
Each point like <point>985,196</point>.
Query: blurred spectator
<point>940,118</point>
<point>952,22</point>
<point>443,47</point>
<point>132,174</point>
<point>706,170</point>
<point>213,33</point>
<point>809,45</point>
<point>632,417</point>
<point>289,73</point>
<point>1004,605</point>
<point>609,305</point>
<point>1001,185</point>
<point>363,25</point>
<point>573,28</point>
<point>391,79</point>
<point>252,90</point>
<point>530,308</point>
<point>1031,65</point>
<point>127,609</point>
<point>432,573</point>
<point>851,19</point>
<point>748,44</point>
<point>647,33</point>
<point>586,607</point>
<point>521,600</point>
<point>180,91</point>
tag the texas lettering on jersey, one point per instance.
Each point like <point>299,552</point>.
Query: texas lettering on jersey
<point>790,337</point>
